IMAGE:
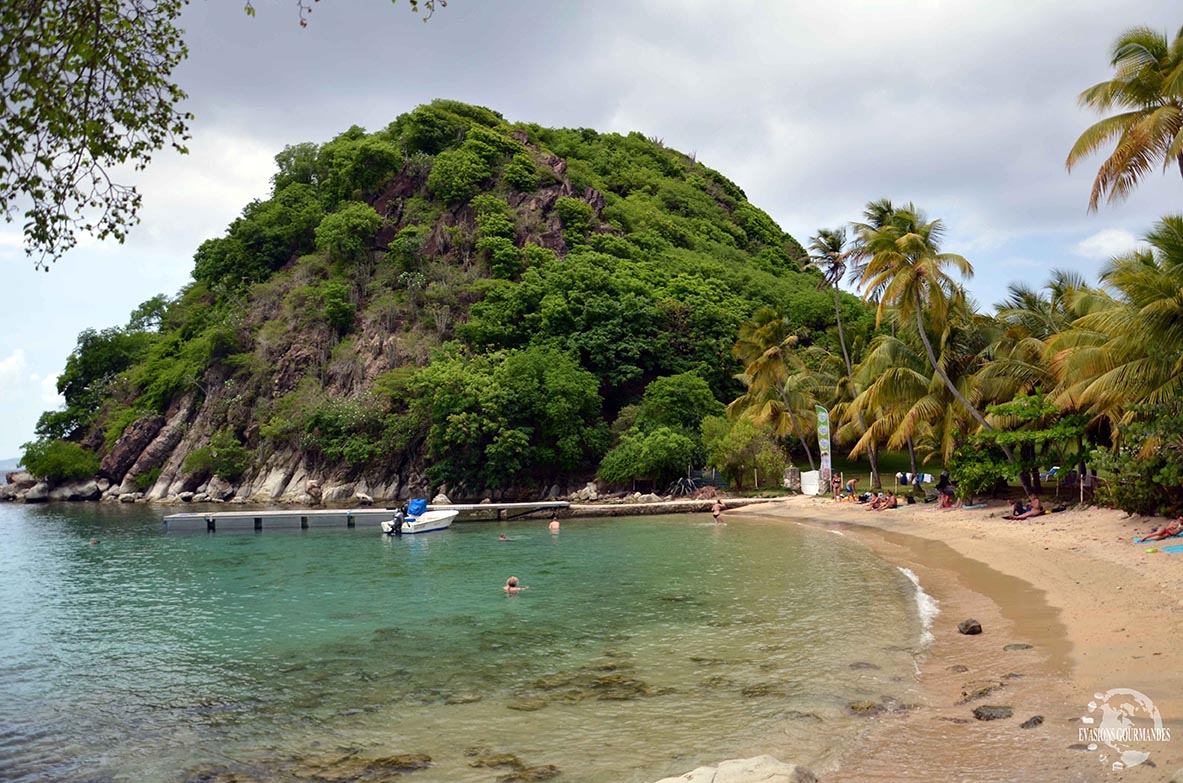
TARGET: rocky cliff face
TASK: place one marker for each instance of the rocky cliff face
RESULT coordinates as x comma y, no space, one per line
160,444
282,330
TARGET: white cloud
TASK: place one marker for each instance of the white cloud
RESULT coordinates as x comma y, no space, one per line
1106,244
48,389
12,371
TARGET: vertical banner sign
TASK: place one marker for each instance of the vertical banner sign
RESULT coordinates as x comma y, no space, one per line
823,446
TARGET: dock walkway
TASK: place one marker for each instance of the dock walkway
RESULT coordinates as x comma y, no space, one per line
304,518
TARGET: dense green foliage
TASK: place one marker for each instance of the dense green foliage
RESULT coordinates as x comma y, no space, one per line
405,302
745,453
59,460
662,436
1144,475
398,302
87,89
224,457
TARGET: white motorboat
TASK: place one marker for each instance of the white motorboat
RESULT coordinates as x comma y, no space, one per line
418,519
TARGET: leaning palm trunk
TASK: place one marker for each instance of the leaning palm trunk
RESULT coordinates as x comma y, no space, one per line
872,454
932,358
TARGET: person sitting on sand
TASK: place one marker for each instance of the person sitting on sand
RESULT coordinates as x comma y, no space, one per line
884,501
1169,530
876,502
512,587
1034,510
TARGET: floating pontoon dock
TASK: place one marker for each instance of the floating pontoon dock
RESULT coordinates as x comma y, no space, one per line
304,519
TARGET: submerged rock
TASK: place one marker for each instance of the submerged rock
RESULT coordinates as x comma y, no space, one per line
1017,646
527,705
1032,722
992,712
979,689
865,707
487,758
959,668
969,627
812,717
761,689
863,665
602,681
528,774
462,698
403,762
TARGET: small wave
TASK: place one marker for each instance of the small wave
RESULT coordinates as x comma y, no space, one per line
926,605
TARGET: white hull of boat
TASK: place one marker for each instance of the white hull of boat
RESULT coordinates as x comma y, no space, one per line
425,522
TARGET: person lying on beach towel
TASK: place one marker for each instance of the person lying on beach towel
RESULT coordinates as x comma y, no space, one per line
1169,530
1034,510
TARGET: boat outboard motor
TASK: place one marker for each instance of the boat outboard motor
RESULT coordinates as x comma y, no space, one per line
394,527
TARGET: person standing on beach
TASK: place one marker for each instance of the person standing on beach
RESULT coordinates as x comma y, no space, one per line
716,510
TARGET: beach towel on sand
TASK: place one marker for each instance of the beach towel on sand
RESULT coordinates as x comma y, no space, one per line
1168,538
1172,548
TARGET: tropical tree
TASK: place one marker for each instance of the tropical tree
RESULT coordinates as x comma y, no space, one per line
1023,359
1126,350
1148,86
830,254
88,88
905,265
779,387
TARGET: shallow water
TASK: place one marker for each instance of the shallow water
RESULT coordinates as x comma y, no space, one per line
644,647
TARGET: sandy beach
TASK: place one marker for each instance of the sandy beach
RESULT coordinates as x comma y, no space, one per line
1098,611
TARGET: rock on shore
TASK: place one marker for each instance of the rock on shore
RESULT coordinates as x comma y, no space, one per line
758,769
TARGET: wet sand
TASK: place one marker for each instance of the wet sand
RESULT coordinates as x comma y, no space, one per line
1098,611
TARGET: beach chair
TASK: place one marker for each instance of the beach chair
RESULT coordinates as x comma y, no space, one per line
1051,474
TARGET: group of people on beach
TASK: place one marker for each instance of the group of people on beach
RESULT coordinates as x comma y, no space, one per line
874,501
1033,508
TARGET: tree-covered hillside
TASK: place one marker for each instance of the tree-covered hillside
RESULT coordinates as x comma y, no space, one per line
455,299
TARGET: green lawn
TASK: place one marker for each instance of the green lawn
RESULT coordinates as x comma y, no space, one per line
890,463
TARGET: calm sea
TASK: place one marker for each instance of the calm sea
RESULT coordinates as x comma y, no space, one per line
643,647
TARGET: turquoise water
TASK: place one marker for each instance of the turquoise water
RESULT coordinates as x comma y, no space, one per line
644,647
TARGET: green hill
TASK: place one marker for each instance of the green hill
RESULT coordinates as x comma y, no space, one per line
455,299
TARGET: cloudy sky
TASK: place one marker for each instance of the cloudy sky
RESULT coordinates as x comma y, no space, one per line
966,108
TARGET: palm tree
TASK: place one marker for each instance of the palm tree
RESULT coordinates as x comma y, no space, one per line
773,376
1127,349
830,255
904,264
1148,84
